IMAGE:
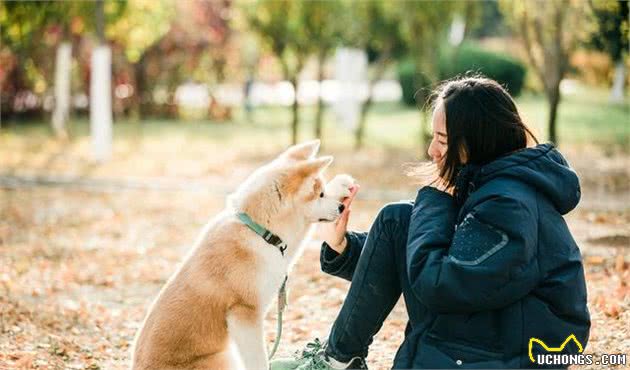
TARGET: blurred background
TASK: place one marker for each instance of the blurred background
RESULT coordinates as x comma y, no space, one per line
125,123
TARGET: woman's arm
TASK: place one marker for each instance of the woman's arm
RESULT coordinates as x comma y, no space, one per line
343,265
487,262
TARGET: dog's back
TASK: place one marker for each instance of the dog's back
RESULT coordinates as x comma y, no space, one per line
186,326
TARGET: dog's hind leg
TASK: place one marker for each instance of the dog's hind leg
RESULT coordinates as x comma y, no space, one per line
245,327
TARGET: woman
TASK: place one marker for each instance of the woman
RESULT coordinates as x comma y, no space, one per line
483,258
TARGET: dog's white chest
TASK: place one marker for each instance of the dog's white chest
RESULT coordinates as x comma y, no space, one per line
271,274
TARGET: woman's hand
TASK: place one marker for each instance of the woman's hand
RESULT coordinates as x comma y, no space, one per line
334,233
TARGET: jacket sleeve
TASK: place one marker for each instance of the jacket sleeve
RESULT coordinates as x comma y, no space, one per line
486,262
343,265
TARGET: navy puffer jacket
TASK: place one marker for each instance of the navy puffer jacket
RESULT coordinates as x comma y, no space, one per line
496,269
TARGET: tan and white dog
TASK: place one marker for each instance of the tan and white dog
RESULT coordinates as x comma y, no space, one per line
224,288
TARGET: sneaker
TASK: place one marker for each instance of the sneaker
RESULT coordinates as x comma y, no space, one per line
314,357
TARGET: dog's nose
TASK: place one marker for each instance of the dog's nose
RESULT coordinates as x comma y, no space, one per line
341,208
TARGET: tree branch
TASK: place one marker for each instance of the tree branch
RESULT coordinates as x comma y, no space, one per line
538,67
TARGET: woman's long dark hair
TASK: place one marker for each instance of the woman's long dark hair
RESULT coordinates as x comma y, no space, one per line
482,124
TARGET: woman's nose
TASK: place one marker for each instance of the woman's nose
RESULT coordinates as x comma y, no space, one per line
432,153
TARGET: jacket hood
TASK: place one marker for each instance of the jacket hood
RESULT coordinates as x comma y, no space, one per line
542,167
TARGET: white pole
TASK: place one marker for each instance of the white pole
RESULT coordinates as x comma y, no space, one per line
101,104
351,75
61,112
619,81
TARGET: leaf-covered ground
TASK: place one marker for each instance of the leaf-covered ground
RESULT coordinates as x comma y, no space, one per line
80,264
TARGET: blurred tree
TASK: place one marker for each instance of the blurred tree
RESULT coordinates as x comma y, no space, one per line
28,30
611,36
322,29
377,30
61,111
470,57
163,42
140,28
177,42
279,25
207,29
424,30
25,29
550,31
487,20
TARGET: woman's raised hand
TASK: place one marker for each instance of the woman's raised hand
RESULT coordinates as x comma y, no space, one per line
334,233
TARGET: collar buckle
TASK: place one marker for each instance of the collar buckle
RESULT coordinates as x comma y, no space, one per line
282,247
267,235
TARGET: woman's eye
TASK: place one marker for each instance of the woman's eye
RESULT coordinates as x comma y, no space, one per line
442,143
321,195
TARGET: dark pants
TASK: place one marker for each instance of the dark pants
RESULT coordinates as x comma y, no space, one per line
379,279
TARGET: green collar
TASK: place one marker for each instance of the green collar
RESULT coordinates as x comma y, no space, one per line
269,237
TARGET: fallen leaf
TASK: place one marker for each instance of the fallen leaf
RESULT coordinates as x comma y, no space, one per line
620,263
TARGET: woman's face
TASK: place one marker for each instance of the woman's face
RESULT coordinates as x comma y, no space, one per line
437,148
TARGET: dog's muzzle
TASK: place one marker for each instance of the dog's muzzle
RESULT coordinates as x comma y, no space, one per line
340,209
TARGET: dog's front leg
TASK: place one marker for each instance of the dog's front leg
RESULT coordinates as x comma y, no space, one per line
245,326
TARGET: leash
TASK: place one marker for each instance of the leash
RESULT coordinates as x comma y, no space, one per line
282,304
274,240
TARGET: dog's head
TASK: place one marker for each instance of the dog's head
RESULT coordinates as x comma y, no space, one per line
290,186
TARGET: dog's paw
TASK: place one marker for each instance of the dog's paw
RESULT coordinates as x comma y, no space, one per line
339,187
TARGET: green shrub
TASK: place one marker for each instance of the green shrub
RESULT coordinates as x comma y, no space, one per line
415,87
468,59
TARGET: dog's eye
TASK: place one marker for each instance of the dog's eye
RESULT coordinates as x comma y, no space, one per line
321,195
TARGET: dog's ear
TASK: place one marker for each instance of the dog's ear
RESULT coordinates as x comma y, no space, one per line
303,170
314,166
302,151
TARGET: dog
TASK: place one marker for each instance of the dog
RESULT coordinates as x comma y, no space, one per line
223,289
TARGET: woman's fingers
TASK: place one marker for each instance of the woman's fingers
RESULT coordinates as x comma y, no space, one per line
353,192
334,234
342,223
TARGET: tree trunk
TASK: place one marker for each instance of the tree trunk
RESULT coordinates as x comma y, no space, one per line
61,112
295,110
423,67
619,82
425,137
425,124
99,21
17,78
320,101
292,76
553,97
101,93
101,103
137,109
360,132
